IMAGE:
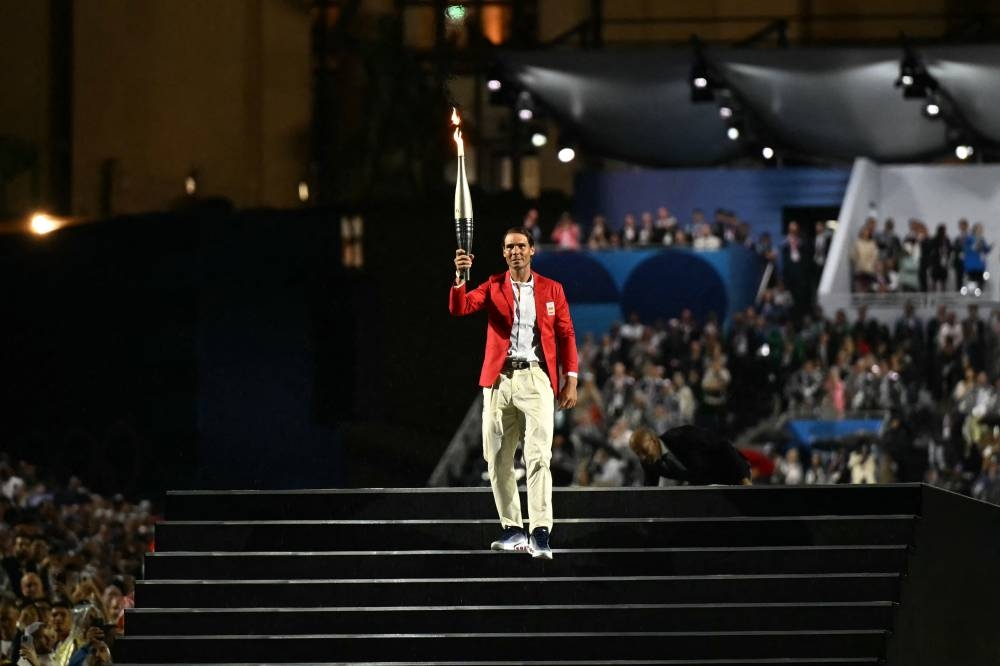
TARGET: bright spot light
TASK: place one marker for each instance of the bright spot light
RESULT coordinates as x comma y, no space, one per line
538,139
190,185
494,85
725,112
963,152
42,224
986,275
765,350
566,155
525,114
767,152
907,80
303,191
964,291
978,292
700,82
932,109
733,133
455,12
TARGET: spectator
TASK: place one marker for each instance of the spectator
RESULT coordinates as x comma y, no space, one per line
912,261
889,247
789,469
987,486
820,249
8,629
647,232
630,232
974,256
795,268
817,473
566,235
958,253
530,224
704,240
864,257
862,465
598,238
938,257
666,225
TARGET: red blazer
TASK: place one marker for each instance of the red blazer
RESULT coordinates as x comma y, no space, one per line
558,341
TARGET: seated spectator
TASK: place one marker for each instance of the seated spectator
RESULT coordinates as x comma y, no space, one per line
681,239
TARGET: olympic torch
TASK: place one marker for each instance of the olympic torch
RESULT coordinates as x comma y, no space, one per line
463,200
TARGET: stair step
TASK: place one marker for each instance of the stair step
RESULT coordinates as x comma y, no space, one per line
569,533
512,618
535,646
486,564
804,661
503,591
471,503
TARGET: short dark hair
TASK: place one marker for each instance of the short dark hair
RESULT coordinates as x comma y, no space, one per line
523,232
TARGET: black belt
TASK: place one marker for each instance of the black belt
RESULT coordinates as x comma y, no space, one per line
510,365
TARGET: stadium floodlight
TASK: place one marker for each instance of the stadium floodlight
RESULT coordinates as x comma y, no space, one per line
700,78
525,106
914,78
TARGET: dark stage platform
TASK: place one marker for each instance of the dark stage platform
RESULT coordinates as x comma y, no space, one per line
718,576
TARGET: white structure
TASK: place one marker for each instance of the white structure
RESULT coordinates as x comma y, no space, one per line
932,194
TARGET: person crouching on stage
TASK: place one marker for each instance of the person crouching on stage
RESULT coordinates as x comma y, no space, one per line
694,455
529,335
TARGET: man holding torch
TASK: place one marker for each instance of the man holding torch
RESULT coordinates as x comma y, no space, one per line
529,338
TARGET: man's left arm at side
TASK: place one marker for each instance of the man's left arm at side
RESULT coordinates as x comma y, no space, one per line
566,345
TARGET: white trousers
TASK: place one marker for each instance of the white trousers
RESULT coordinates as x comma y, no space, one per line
520,407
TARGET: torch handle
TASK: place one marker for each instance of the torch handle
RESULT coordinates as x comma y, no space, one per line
463,234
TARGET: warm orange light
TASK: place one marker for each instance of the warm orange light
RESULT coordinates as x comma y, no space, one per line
42,224
455,120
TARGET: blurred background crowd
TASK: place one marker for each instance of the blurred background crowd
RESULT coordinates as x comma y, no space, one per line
70,561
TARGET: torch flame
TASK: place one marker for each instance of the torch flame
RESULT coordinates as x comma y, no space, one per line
458,132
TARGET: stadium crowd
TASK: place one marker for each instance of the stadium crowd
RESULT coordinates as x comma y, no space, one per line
70,561
882,262
935,383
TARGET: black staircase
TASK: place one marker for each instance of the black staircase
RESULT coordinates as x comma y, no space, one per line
712,576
